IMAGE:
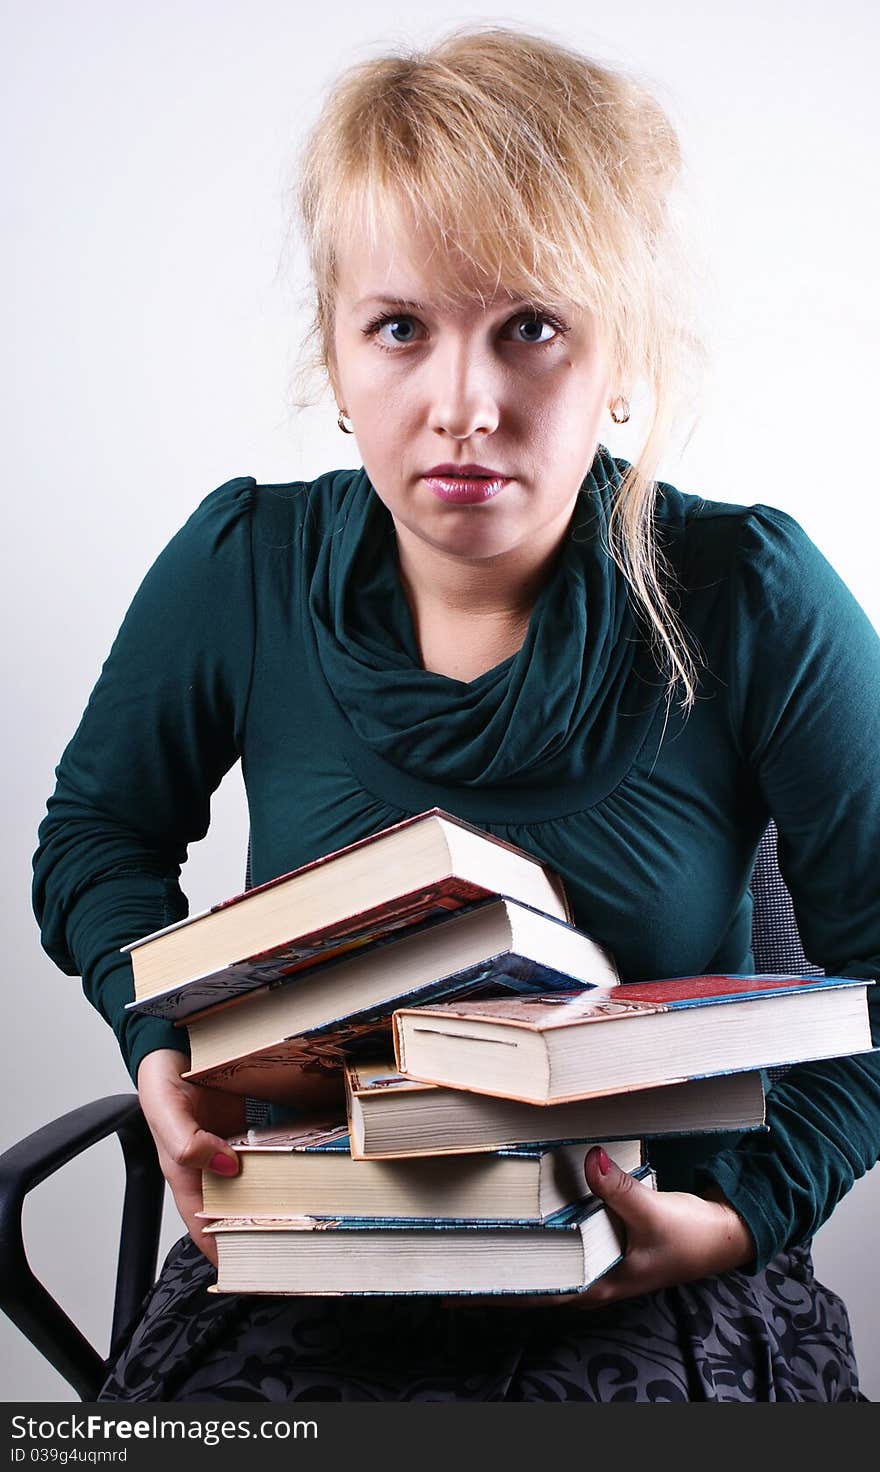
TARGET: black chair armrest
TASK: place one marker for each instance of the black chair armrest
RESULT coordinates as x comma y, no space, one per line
25,1300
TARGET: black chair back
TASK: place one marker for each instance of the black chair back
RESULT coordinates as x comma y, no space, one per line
776,944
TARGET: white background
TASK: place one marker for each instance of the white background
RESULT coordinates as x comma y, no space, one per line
151,344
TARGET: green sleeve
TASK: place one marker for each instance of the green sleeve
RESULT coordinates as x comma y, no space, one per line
162,726
804,689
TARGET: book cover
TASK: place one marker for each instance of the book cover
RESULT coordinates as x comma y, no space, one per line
266,1075
365,930
636,999
318,863
321,1139
552,1049
208,950
392,1117
362,1258
308,1170
565,1219
262,1071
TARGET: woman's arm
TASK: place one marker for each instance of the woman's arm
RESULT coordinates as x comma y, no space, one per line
162,726
804,689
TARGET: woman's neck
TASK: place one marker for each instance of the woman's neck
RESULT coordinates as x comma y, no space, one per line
469,616
497,589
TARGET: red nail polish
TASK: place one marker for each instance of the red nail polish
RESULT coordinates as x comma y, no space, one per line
223,1165
604,1162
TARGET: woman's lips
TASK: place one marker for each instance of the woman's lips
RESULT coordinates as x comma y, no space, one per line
466,490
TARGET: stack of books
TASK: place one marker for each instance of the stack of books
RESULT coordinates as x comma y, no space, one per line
459,1166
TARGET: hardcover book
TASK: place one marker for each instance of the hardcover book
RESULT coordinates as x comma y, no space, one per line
393,1117
248,1045
423,867
550,1049
307,1170
565,1254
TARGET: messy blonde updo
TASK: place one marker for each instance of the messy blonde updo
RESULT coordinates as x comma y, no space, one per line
549,176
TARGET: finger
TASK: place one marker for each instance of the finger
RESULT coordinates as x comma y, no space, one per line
186,1188
218,1112
205,1151
624,1281
189,1145
634,1202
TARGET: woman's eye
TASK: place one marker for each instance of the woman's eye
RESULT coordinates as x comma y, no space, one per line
400,330
536,329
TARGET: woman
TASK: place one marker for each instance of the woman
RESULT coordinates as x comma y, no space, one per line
496,617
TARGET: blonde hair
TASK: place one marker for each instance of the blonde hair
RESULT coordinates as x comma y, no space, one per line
548,175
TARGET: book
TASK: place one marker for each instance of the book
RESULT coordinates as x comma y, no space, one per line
391,1117
550,1049
427,865
304,1255
307,1170
248,1044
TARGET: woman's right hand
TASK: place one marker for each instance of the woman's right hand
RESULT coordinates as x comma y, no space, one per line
189,1124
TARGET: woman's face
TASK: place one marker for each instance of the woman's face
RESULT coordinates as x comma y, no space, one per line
431,389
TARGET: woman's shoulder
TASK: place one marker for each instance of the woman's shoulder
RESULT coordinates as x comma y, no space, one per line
246,523
241,529
244,501
759,564
705,537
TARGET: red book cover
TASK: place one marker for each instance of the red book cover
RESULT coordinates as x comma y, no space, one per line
631,999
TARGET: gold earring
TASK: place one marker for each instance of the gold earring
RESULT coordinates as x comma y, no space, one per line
619,408
344,427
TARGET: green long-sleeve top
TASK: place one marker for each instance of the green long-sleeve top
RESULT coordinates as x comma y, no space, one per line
274,628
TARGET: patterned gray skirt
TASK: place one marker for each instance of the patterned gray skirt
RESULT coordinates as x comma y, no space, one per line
776,1336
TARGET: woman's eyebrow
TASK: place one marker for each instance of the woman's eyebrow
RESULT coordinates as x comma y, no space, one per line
398,302
405,304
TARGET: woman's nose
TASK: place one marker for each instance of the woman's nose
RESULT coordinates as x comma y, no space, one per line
464,396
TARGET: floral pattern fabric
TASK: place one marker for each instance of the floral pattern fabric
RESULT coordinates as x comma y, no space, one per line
778,1335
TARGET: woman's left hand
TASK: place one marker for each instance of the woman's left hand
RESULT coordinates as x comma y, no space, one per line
671,1236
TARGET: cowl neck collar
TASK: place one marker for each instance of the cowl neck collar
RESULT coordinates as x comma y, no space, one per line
546,713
